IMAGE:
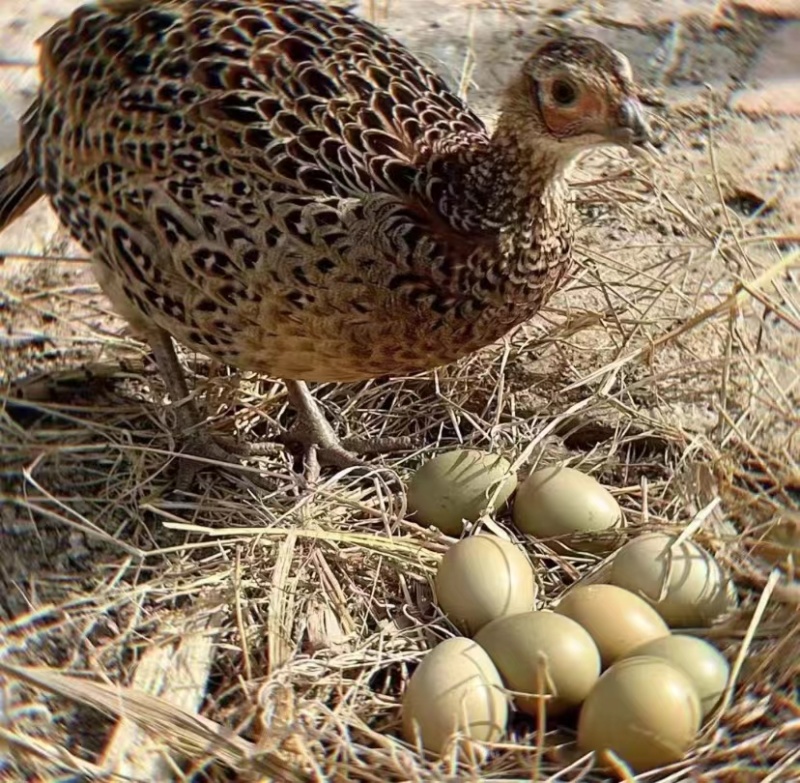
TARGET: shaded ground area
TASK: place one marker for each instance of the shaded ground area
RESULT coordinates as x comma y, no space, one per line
668,368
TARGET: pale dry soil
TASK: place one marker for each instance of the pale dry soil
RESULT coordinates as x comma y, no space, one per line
711,411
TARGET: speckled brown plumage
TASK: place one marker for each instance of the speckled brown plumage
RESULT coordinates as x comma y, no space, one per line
282,186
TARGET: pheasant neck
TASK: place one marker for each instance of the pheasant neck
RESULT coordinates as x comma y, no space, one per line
517,195
519,189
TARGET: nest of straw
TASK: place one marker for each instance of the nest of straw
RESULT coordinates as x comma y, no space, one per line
238,634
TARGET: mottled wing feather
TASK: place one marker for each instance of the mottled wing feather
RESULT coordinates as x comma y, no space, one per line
294,94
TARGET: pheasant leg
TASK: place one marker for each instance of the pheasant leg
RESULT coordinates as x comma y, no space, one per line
198,442
312,432
316,437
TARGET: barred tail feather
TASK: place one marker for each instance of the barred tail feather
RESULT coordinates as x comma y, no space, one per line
19,190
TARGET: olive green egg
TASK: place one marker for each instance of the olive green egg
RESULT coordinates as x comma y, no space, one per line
616,619
542,654
565,507
701,662
482,578
456,689
645,710
682,582
458,485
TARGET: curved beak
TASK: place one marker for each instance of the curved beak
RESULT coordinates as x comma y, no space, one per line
632,128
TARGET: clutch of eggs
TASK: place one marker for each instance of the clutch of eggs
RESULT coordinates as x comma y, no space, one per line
606,651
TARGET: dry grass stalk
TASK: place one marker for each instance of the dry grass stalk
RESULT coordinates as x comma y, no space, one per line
177,673
667,369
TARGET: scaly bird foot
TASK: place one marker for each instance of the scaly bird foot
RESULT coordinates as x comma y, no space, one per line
314,438
199,445
201,449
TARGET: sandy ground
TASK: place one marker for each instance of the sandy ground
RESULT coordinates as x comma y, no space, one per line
722,83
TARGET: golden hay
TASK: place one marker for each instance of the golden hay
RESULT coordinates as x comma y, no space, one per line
233,634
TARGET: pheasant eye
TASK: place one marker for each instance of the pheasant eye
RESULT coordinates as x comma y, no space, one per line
563,92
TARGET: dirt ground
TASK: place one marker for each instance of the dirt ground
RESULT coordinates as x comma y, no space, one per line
667,368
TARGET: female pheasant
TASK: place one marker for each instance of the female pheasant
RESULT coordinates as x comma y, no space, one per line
283,187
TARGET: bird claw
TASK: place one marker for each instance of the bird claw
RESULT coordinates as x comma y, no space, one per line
315,449
203,450
322,448
380,445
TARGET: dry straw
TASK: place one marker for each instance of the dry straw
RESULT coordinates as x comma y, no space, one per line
242,634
